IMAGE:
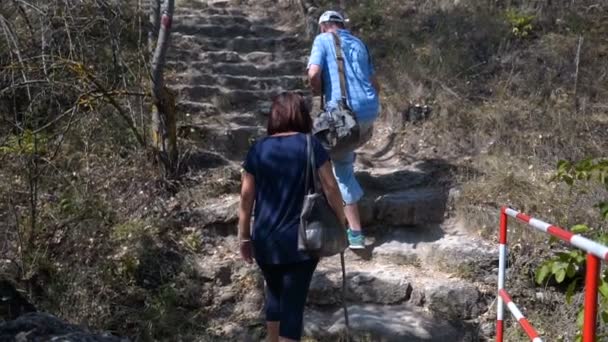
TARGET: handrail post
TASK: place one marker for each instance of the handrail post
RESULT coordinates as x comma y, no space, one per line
591,286
502,265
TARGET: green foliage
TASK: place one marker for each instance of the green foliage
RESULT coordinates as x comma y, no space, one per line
27,143
585,170
566,266
128,230
521,23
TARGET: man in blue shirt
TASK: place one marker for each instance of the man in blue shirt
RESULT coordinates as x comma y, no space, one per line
362,94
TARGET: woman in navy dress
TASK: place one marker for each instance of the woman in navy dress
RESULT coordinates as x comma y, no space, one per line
274,180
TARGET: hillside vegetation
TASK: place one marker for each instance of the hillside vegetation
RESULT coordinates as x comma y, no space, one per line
91,231
514,87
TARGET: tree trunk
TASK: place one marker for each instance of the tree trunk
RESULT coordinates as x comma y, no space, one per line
164,136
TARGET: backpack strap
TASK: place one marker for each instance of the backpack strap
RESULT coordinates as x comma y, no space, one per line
341,68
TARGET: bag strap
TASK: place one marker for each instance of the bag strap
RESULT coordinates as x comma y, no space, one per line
311,165
346,322
308,148
341,68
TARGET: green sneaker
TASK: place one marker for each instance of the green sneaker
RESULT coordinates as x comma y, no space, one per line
356,242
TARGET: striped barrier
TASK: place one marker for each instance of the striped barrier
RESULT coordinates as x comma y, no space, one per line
523,321
595,253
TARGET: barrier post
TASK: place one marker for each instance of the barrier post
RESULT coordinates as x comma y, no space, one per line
502,265
591,282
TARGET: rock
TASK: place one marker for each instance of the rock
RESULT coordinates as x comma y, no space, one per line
381,323
439,247
12,303
224,211
226,296
410,207
46,327
219,272
456,300
380,285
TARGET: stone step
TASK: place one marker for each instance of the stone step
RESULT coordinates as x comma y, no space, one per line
237,118
214,19
232,97
206,58
212,31
207,10
448,247
241,82
204,109
291,44
191,28
408,207
216,105
397,323
383,283
276,69
231,140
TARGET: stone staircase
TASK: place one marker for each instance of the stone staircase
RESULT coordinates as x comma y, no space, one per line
424,276
227,65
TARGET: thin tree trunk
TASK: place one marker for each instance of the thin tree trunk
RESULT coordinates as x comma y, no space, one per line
164,135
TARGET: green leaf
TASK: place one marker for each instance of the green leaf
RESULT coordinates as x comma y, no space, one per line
603,287
542,273
571,270
580,318
579,229
570,291
560,275
604,316
604,209
557,266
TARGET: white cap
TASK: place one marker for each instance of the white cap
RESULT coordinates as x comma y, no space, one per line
331,16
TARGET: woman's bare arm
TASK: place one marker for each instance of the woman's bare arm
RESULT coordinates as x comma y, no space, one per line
331,190
246,205
245,208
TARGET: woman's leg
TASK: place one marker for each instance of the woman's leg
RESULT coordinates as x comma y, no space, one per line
296,281
273,331
274,286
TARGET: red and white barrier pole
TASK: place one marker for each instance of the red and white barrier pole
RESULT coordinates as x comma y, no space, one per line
595,253
576,240
502,267
523,321
591,282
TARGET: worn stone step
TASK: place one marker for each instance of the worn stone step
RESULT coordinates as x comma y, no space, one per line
383,283
242,82
395,323
212,31
237,118
230,97
215,19
204,109
240,44
230,139
207,10
408,207
448,247
225,31
277,69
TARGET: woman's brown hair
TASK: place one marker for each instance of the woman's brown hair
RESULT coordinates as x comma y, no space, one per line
289,113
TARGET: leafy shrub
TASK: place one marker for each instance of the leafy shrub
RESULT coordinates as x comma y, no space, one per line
521,23
566,266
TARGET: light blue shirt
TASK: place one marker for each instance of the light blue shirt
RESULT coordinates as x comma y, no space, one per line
359,69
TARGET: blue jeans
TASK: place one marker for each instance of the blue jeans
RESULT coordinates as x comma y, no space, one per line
344,168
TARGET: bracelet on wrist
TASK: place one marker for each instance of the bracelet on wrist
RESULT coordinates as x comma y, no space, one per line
244,240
